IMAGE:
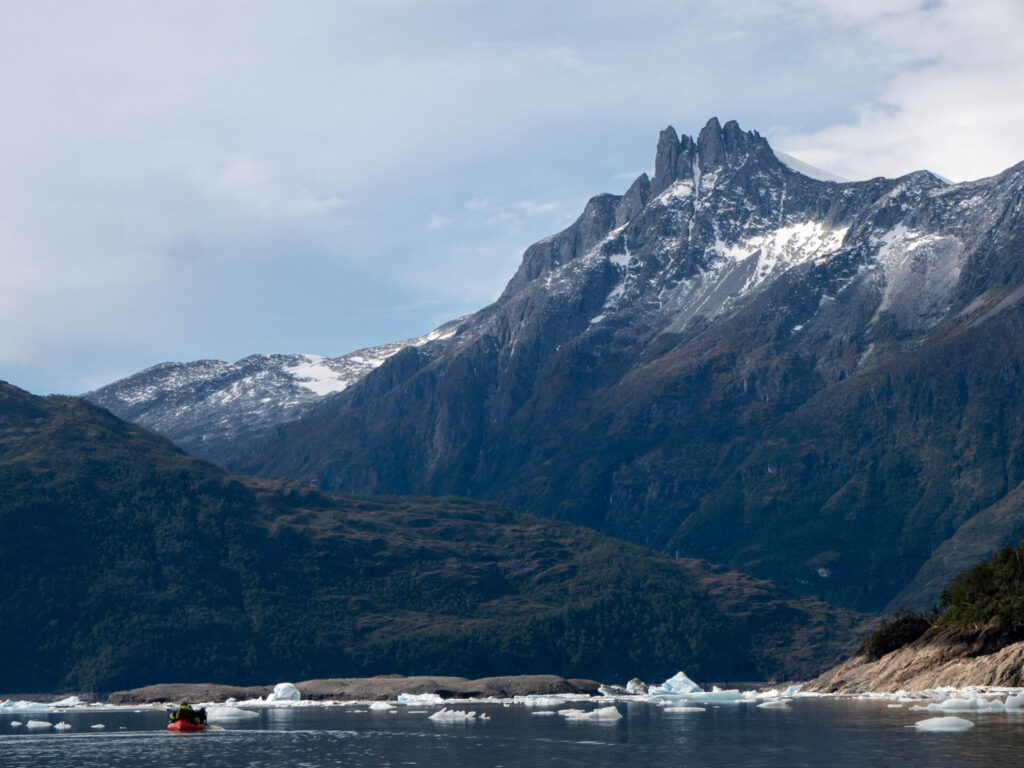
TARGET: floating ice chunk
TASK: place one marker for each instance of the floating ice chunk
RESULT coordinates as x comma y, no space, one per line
420,698
380,706
636,685
229,713
453,716
15,723
285,692
774,704
8,706
1014,701
70,701
543,701
602,713
943,724
894,706
543,713
38,724
793,690
958,705
98,725
62,726
716,696
684,709
678,683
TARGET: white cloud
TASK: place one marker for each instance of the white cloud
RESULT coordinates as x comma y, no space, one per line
154,157
949,103
531,208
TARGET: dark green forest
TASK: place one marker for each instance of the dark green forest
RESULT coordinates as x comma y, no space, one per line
130,563
986,601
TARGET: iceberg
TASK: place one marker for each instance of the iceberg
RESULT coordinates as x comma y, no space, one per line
603,713
229,713
636,686
420,698
943,724
678,683
380,706
684,709
98,726
70,701
454,716
541,701
961,704
38,724
62,726
1014,701
285,692
8,706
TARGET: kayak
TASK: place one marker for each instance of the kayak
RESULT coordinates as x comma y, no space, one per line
184,726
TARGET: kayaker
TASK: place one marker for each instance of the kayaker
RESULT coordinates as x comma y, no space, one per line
189,715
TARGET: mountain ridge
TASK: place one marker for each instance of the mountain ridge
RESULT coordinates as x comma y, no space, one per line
732,361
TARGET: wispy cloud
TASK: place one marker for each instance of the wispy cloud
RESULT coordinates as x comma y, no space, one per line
438,222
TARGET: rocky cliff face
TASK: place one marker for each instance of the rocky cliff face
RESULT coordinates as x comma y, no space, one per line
815,382
938,659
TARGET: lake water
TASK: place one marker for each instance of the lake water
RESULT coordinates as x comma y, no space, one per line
811,732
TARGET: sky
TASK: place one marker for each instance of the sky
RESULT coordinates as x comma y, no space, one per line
216,178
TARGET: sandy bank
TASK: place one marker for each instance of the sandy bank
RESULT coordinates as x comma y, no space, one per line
365,688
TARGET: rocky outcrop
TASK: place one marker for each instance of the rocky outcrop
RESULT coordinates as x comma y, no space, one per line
379,688
939,658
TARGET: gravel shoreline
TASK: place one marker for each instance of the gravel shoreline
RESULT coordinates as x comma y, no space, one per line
381,688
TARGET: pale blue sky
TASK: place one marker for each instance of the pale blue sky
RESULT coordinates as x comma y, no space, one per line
188,180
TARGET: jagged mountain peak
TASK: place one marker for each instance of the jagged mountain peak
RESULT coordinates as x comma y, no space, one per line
716,147
730,353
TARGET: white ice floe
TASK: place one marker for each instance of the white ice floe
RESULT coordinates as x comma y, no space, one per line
963,704
455,716
62,726
602,713
943,724
541,701
420,698
214,714
8,707
70,701
380,706
774,704
98,726
544,713
15,723
678,683
39,724
684,709
1014,701
285,692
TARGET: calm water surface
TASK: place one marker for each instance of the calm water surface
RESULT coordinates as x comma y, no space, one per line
812,732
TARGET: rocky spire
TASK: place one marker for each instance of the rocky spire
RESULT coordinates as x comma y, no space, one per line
716,146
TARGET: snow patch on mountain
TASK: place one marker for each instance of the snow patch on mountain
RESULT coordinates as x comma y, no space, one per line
781,249
210,401
920,271
806,168
313,373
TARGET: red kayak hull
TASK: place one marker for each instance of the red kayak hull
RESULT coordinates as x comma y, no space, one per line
183,726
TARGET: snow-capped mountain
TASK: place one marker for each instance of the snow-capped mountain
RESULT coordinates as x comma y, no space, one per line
816,382
206,405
